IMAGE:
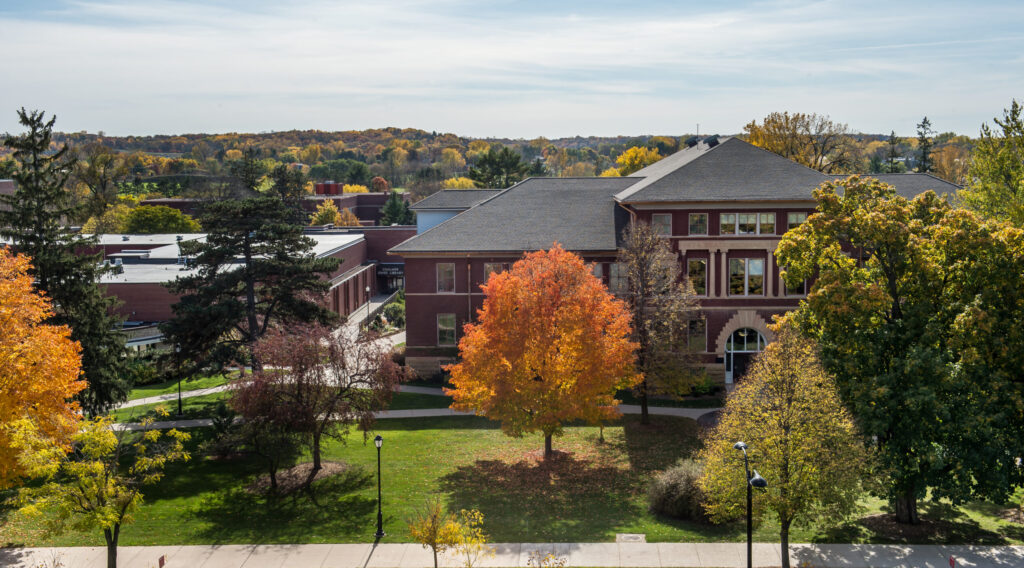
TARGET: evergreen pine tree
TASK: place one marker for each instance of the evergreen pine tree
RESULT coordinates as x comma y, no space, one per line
396,211
254,270
33,220
924,145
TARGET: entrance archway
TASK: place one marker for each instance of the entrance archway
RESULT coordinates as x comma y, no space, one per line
740,348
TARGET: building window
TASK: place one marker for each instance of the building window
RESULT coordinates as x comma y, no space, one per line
799,290
747,223
746,277
697,335
618,278
767,224
662,224
727,223
494,267
697,269
446,329
598,270
698,223
446,277
795,220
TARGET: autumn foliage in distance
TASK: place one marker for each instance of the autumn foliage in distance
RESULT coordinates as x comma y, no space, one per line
39,371
551,345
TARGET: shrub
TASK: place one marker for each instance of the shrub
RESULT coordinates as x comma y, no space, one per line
676,492
398,355
705,386
395,314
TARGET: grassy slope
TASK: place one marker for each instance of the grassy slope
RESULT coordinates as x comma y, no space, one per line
172,386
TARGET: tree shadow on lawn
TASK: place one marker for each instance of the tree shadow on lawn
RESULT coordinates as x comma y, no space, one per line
329,510
201,474
564,498
941,523
658,445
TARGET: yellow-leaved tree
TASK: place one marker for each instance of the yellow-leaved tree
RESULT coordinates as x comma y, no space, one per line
635,158
40,370
354,188
799,437
458,183
326,213
348,219
551,345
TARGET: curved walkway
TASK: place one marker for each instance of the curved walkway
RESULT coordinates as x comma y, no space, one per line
373,555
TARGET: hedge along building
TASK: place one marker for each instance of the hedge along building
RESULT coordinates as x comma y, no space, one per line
722,204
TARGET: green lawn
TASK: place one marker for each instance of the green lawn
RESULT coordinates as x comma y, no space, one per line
596,491
172,386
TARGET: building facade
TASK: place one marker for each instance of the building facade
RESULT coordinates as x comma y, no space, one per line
722,204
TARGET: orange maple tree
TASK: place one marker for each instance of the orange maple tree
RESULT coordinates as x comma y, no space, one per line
39,371
551,345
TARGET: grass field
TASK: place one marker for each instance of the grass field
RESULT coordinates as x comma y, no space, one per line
589,495
172,386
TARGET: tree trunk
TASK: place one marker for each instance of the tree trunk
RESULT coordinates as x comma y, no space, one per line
273,477
111,535
784,538
316,457
645,417
906,508
435,555
548,452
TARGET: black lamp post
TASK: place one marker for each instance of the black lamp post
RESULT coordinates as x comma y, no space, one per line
378,441
753,481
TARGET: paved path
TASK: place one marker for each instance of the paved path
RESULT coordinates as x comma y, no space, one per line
724,555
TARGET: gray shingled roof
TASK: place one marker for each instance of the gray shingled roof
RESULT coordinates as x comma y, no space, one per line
733,170
454,199
578,213
910,185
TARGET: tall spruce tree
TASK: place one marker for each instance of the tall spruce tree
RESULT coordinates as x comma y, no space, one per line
34,220
254,270
396,211
925,163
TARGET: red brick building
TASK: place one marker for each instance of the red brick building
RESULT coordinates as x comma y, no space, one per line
723,204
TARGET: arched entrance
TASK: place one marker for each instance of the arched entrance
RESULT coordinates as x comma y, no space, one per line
741,347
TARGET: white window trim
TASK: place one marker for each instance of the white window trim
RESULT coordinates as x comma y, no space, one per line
706,262
757,224
670,227
788,213
707,224
437,278
746,278
455,329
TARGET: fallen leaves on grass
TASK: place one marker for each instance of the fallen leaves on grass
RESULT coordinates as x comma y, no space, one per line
294,478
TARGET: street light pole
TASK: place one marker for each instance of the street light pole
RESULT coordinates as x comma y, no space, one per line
753,481
367,306
177,351
378,441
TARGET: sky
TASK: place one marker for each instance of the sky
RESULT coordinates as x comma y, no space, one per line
507,69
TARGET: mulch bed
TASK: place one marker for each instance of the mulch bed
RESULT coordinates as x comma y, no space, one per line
294,478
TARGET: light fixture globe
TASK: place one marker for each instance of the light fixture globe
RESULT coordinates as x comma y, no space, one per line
739,446
758,481
378,441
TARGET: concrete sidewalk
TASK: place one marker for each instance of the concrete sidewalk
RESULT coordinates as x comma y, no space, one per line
709,555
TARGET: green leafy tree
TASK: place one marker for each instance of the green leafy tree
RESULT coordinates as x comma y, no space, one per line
925,163
995,186
33,220
396,211
152,219
111,221
99,485
913,307
799,437
249,170
499,169
254,270
99,170
662,306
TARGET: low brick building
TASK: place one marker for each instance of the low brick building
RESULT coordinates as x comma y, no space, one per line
722,204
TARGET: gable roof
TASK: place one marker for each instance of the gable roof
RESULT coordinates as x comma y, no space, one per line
449,199
733,170
578,213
